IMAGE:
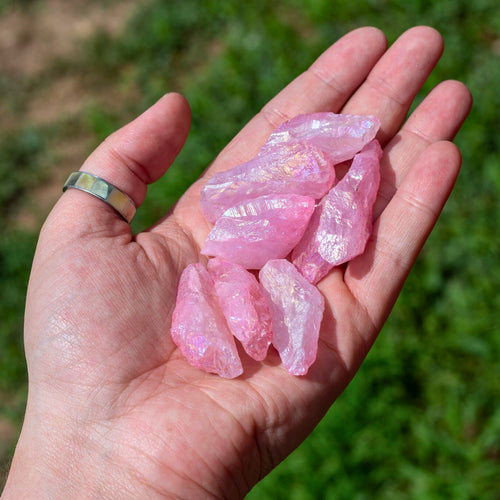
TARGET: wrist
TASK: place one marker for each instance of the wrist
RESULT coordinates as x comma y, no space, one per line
45,465
52,462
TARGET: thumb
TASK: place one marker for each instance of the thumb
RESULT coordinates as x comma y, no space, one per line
131,158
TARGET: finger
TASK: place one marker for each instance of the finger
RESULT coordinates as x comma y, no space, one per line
325,86
391,86
376,277
438,117
130,159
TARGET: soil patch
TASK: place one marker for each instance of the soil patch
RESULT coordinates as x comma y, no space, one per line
54,29
31,41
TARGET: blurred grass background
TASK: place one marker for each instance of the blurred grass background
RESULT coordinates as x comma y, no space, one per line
422,418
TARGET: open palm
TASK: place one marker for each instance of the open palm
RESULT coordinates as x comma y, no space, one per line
114,410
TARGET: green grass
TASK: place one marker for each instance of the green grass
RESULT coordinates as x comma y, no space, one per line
21,156
421,419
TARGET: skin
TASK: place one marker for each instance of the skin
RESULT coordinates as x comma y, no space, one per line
114,410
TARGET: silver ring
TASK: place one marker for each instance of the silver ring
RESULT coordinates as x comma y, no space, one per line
104,191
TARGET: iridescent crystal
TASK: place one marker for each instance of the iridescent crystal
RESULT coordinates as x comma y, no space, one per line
243,303
199,327
342,222
339,136
296,311
261,210
295,168
260,229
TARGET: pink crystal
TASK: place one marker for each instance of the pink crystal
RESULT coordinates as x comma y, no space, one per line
296,311
199,328
243,303
289,168
261,229
339,136
342,222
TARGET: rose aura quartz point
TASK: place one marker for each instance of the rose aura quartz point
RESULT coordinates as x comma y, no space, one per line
339,136
199,328
290,168
259,230
296,311
342,222
243,303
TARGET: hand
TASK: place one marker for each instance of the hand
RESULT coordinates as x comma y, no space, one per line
114,410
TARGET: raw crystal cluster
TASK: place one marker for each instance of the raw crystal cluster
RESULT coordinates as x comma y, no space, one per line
297,169
255,231
199,327
296,311
339,137
342,222
244,306
264,211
